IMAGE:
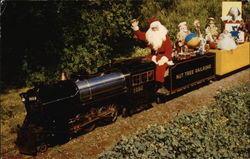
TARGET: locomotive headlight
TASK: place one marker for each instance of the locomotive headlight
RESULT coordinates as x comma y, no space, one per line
23,99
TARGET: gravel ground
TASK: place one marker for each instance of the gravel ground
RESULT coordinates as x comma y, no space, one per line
91,145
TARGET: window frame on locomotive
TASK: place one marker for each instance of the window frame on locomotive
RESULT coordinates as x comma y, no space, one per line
138,79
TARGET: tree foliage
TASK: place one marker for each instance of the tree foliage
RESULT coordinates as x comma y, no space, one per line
171,13
40,39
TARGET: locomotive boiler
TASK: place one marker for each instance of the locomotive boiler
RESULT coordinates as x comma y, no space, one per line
57,112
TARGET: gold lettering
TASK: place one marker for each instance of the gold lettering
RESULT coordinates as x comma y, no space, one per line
179,76
189,73
203,68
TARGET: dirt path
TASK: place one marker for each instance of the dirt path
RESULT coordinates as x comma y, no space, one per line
91,145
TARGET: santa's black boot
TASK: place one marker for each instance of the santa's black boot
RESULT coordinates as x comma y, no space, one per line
158,85
162,90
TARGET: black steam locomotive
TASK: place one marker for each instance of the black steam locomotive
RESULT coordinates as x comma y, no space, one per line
57,112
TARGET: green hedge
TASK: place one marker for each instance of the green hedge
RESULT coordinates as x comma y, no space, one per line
218,131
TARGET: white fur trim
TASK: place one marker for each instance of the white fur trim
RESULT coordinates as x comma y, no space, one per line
160,63
154,59
155,24
135,28
170,63
164,59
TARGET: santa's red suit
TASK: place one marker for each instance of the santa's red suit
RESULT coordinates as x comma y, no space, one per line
163,53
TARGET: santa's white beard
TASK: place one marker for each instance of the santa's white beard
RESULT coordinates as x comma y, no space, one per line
155,38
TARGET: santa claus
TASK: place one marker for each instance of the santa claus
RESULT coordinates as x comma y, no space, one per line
160,44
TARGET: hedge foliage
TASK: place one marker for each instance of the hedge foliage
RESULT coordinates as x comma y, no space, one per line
40,39
218,131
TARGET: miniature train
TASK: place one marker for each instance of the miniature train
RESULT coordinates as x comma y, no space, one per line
59,111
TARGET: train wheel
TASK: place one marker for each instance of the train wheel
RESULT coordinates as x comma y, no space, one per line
112,113
42,148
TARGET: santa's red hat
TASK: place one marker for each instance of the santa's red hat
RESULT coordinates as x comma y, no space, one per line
150,21
153,22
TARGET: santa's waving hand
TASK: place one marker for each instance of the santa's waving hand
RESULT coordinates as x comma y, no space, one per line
159,42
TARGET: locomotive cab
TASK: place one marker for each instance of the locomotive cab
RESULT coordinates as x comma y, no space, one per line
141,84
